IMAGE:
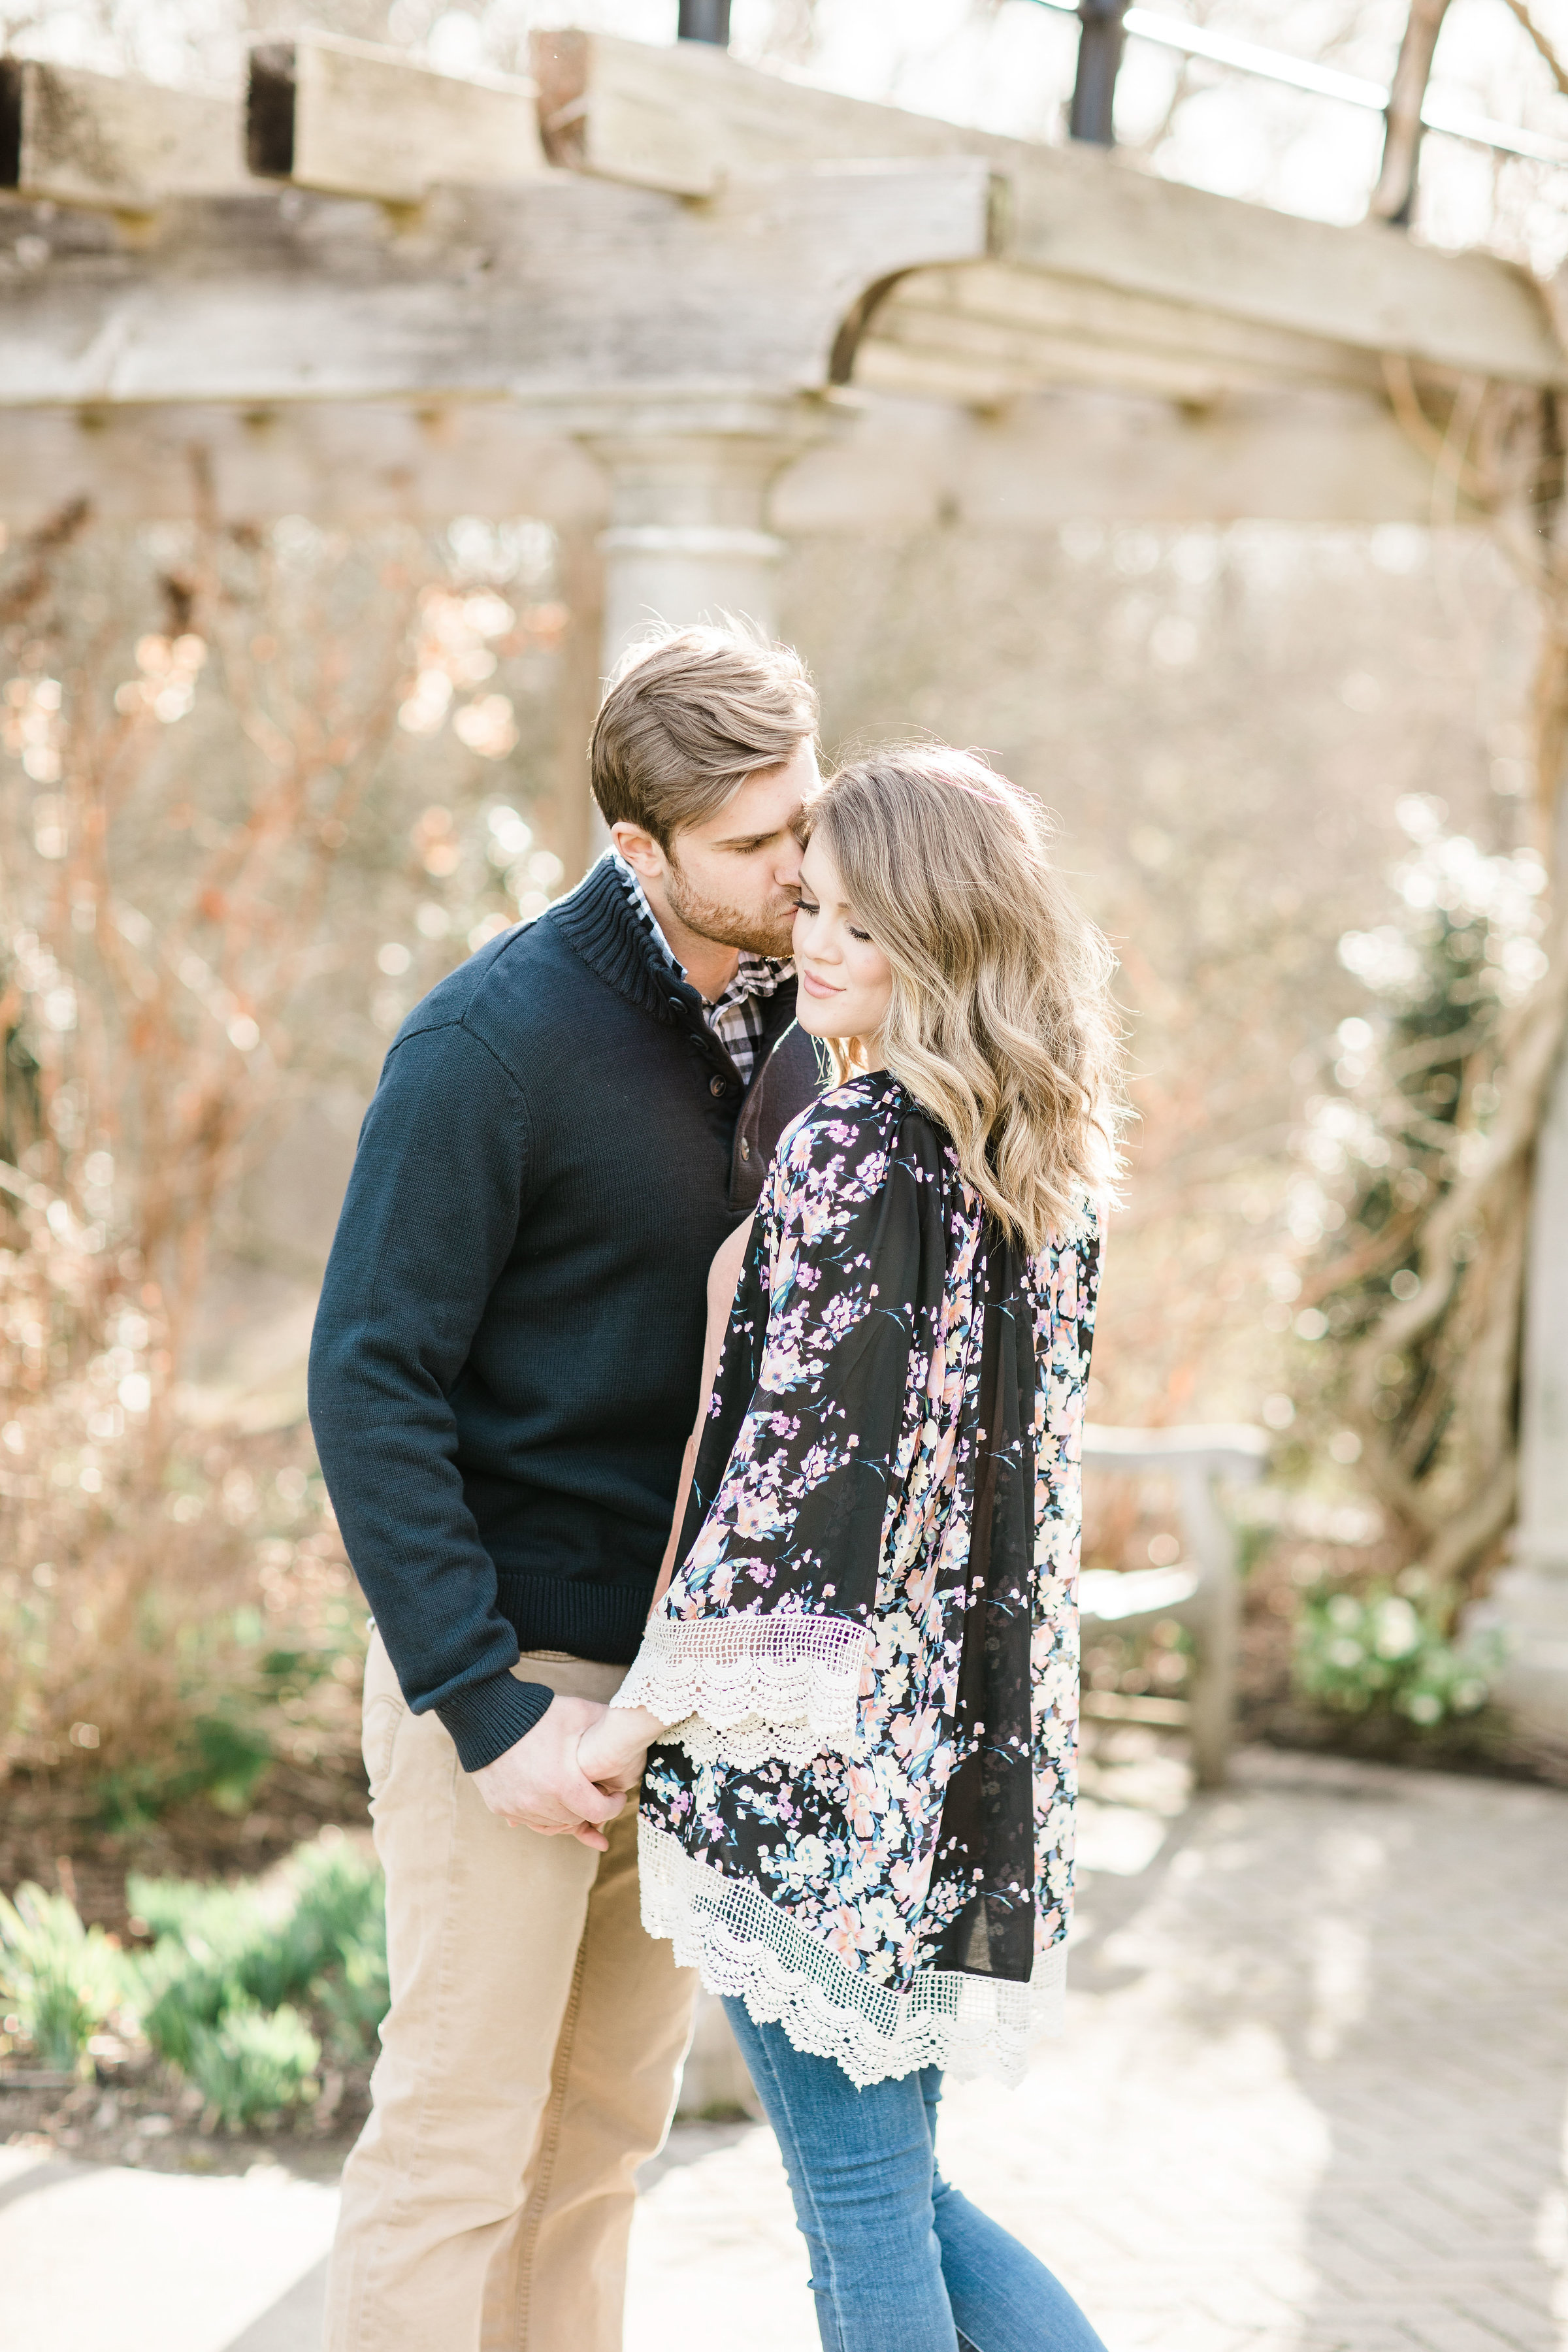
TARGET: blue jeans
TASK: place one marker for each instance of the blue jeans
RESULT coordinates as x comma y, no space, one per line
900,2261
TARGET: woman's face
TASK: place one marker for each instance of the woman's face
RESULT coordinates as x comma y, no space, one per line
846,981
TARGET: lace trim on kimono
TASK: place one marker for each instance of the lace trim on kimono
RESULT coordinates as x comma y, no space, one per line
745,1945
785,1686
758,1740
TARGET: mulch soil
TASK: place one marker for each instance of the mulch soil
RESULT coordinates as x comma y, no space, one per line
137,2113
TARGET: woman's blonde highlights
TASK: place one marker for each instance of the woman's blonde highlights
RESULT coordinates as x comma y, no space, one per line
1001,1023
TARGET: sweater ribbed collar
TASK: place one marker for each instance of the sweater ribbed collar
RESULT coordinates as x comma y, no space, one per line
597,920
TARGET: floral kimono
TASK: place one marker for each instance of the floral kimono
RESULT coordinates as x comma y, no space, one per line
860,1819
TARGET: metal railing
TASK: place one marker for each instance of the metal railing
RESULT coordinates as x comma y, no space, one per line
1152,24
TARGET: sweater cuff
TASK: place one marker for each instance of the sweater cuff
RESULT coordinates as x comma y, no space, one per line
491,1717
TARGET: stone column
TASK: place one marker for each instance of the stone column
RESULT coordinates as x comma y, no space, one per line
687,539
1529,1603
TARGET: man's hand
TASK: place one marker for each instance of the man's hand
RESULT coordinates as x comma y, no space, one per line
613,1750
538,1785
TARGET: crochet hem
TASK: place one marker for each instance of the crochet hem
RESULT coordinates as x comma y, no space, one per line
744,1946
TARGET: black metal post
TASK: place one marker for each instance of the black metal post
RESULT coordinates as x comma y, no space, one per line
1098,61
705,20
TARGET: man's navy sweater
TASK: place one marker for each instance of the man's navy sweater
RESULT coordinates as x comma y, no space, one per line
506,1355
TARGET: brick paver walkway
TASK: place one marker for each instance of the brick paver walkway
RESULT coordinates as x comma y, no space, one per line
1312,2099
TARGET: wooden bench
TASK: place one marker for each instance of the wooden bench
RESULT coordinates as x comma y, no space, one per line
1202,1592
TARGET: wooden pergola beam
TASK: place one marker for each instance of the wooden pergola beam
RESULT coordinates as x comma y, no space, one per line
992,330
566,293
596,279
1081,214
688,119
352,119
1330,457
102,140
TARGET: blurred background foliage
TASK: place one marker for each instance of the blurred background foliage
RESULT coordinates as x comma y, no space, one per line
260,788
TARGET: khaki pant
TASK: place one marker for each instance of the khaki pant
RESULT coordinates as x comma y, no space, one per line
528,2064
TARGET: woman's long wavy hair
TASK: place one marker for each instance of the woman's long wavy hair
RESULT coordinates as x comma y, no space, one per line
1001,1023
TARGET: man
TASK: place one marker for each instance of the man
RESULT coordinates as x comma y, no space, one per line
502,1380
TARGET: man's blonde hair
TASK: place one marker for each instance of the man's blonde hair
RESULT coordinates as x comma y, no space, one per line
689,715
1001,1023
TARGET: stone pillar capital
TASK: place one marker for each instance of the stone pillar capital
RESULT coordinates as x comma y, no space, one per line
687,538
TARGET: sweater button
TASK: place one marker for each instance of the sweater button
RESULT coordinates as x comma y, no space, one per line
679,1003
717,1085
745,1148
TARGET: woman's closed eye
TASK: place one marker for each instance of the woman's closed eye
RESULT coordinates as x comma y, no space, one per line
804,906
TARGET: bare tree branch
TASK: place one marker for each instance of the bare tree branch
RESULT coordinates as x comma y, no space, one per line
1545,48
1394,197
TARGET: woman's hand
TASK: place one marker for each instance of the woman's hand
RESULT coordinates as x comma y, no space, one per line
536,1784
613,1751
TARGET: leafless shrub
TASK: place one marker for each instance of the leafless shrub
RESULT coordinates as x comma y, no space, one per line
217,737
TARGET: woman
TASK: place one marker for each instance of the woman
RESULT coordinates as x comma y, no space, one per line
861,1675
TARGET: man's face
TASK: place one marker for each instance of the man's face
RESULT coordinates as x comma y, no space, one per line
733,879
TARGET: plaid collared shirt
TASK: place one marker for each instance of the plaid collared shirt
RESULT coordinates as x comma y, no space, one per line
735,1016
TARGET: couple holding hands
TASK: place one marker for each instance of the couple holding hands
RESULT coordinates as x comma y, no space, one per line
793,1116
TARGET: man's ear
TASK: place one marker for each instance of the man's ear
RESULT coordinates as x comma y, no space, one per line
640,850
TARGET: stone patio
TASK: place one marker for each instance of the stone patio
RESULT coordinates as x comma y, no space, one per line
1312,2099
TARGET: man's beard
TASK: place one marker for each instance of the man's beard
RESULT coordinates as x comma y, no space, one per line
762,933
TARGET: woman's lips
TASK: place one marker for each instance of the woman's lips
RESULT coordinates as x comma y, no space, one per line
814,987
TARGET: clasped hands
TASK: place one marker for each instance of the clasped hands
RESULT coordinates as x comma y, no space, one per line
573,1772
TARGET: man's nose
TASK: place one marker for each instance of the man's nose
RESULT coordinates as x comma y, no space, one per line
787,869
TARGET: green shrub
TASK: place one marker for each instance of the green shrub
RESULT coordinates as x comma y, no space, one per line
353,1998
196,1970
1380,1651
233,1975
338,1912
338,1929
318,1940
64,1980
254,2062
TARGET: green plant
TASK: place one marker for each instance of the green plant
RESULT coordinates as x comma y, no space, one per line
253,2062
64,1980
338,1932
1380,1649
353,1998
316,1938
196,1970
